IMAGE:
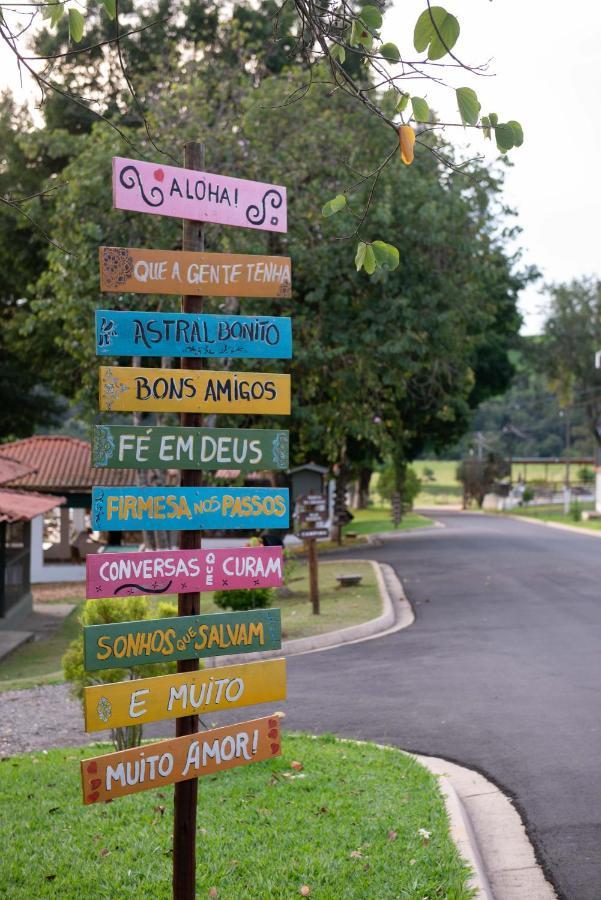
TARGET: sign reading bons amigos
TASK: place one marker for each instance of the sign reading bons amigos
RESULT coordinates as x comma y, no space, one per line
202,196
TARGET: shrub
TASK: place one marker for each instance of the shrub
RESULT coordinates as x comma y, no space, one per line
104,612
576,511
387,485
586,475
256,598
528,495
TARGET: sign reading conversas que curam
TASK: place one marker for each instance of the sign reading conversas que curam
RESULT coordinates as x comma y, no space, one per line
202,196
182,571
208,508
157,446
165,762
136,702
180,637
120,333
123,269
130,389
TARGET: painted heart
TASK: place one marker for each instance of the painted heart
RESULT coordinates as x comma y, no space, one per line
272,723
273,733
95,783
92,767
159,174
92,798
275,748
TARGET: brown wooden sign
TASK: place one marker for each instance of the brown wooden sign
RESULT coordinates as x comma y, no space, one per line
179,759
203,274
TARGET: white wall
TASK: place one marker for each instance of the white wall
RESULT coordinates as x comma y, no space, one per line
41,572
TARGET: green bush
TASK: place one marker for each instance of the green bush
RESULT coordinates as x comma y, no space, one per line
576,511
256,598
387,485
104,612
586,475
528,495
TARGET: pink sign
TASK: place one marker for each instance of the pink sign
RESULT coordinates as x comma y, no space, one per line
202,196
177,571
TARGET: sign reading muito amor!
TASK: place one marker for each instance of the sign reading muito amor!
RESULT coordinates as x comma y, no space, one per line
201,196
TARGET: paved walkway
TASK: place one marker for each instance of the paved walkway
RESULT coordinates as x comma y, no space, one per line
500,672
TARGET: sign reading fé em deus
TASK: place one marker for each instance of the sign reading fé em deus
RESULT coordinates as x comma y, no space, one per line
121,333
180,637
202,196
156,765
164,447
209,508
130,389
136,702
123,269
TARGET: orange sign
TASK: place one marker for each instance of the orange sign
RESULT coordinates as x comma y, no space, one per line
204,274
179,759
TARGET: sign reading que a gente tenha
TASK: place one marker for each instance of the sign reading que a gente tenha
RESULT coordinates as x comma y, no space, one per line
155,447
124,333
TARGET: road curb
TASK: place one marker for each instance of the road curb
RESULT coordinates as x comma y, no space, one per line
396,614
490,834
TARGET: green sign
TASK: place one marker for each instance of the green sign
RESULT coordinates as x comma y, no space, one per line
181,637
159,447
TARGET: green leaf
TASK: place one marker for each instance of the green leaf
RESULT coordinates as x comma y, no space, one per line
360,36
494,119
421,110
485,121
390,52
518,133
469,105
338,52
334,206
76,25
110,7
369,264
402,104
54,12
371,16
387,256
360,254
433,24
504,137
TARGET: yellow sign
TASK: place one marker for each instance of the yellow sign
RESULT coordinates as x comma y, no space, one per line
191,390
171,696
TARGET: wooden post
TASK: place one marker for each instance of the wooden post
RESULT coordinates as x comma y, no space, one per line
184,821
313,575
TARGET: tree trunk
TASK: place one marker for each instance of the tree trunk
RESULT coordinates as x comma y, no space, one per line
365,473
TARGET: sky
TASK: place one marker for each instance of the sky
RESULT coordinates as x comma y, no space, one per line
545,60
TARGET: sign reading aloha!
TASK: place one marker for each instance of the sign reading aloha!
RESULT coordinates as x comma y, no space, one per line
124,269
156,447
182,571
136,702
120,333
180,637
130,389
165,762
201,196
188,508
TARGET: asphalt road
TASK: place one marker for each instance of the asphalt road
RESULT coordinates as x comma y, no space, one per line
500,672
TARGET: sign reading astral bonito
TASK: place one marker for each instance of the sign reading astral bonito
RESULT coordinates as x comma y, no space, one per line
135,702
182,571
156,447
120,333
130,389
208,508
201,274
156,765
180,637
202,196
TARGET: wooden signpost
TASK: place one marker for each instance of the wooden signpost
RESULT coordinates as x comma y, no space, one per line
311,515
174,571
180,637
198,196
188,390
172,334
138,701
191,390
203,274
161,447
188,508
177,760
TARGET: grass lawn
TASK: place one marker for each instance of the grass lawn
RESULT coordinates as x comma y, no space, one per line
553,513
39,662
378,518
347,826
